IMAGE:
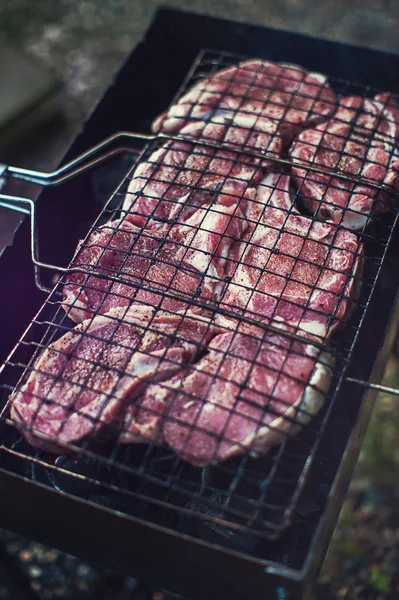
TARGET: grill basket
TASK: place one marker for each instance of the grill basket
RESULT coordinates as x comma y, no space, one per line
244,503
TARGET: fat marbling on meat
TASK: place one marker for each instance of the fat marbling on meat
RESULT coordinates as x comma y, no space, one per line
179,177
360,140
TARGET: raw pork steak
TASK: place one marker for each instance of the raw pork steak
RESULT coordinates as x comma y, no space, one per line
290,266
184,259
250,390
260,98
360,140
179,177
82,383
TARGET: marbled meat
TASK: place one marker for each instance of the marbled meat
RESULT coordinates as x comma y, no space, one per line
186,259
179,177
81,385
290,266
360,140
247,393
261,100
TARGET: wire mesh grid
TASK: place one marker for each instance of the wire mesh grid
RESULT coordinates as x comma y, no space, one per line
194,331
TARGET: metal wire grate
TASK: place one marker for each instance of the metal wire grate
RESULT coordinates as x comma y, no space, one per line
199,216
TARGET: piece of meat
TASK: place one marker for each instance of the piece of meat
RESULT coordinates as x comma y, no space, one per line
263,98
144,418
179,177
182,259
360,140
82,383
289,266
249,391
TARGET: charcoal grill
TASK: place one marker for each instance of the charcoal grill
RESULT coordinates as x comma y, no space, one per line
245,528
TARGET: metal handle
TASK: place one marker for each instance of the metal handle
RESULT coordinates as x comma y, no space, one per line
374,386
27,207
76,166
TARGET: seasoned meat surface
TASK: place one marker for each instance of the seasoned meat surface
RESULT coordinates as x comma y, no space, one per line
183,259
82,384
360,140
248,392
290,266
267,100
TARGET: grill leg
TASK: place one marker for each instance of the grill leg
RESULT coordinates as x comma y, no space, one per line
13,578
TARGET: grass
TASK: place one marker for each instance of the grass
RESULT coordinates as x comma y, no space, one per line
363,558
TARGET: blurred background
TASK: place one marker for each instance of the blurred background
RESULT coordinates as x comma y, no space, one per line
57,60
